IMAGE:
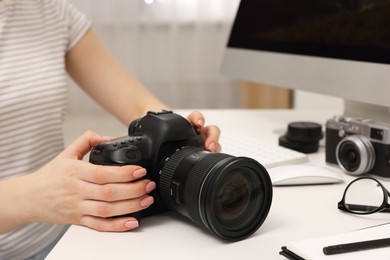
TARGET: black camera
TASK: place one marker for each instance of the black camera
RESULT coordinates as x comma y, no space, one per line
229,196
358,146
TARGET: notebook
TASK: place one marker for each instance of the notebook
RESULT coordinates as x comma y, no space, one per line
313,248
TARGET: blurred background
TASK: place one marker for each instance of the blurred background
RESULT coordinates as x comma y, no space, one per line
173,46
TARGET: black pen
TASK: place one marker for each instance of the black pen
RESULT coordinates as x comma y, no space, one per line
357,246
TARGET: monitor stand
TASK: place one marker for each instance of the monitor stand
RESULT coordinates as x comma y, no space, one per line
366,111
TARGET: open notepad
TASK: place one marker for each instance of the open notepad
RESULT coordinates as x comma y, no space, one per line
313,248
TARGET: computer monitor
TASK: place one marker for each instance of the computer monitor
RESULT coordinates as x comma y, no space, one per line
331,47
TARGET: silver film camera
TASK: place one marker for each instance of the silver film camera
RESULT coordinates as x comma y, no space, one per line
358,146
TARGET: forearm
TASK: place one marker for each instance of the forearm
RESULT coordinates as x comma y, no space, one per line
108,82
15,203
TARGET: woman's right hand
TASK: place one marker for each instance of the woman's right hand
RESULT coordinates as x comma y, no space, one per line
70,191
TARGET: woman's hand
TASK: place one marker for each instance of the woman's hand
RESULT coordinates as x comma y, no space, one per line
210,133
70,191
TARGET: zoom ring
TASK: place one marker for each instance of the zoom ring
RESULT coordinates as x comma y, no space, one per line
167,173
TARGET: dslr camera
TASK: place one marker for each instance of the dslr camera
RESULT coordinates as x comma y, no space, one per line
358,146
226,195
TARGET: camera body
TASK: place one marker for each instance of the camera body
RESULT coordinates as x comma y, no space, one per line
227,195
358,146
150,140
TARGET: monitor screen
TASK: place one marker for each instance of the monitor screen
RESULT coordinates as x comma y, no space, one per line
337,48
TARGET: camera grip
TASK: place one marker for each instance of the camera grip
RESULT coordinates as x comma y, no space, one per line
137,215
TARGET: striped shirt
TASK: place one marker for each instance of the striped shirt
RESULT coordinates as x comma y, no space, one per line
34,38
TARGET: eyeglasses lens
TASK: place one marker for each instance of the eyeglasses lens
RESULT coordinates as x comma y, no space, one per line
364,196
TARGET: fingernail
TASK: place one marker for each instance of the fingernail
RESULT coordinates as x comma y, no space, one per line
150,186
145,202
139,173
200,123
131,224
212,147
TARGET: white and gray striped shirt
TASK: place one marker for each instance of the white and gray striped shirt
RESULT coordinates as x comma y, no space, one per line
34,38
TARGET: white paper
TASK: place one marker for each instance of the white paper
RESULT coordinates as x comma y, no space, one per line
313,248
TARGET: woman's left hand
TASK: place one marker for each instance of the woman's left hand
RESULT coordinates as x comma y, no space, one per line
210,133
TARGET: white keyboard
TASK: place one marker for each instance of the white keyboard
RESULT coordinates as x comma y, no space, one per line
266,153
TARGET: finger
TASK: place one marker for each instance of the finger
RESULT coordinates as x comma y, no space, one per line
211,136
117,224
102,174
82,145
197,118
118,191
117,208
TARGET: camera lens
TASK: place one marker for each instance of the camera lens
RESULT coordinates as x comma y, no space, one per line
355,154
234,201
230,196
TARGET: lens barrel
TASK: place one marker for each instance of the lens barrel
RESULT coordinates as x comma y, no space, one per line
230,196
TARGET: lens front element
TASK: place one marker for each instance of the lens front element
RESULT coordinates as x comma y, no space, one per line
232,198
236,200
355,154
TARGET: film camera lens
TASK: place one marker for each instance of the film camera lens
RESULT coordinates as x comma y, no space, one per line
230,196
355,154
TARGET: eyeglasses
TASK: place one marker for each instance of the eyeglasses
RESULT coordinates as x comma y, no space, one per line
365,195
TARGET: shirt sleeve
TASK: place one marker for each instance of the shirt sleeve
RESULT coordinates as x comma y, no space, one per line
77,22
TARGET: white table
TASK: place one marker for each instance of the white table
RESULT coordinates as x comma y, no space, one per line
298,212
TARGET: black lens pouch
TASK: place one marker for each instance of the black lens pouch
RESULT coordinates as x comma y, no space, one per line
302,137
